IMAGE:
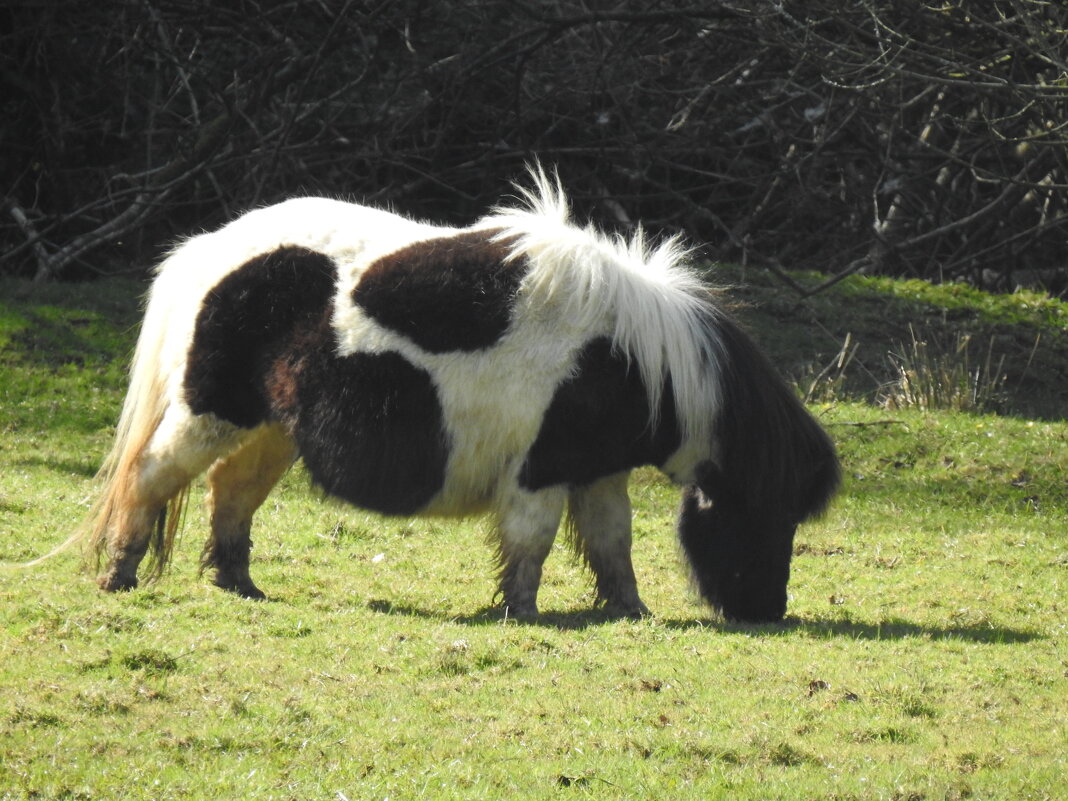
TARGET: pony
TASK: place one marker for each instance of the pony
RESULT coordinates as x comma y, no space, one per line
520,367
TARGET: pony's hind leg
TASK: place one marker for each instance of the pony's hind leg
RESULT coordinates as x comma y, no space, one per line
237,485
144,487
134,517
527,523
600,523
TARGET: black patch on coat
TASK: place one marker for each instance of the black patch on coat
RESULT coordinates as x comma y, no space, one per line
244,322
369,426
598,424
446,294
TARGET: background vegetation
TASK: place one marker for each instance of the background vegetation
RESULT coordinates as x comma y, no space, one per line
925,140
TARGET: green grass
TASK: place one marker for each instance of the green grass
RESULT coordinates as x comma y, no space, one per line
923,657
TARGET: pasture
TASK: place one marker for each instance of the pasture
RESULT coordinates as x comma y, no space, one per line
922,656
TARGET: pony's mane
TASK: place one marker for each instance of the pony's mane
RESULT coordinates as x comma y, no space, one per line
659,312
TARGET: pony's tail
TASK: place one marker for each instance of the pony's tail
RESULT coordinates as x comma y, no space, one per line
142,413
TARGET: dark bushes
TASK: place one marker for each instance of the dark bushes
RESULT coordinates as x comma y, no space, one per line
867,135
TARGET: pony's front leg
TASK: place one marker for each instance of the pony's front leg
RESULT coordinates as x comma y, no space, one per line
600,519
237,485
527,523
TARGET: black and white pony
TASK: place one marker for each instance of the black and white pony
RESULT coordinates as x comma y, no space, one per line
520,367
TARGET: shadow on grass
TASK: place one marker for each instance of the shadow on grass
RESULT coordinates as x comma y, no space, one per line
54,324
888,630
897,629
69,467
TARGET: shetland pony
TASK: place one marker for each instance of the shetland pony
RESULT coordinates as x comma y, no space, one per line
521,367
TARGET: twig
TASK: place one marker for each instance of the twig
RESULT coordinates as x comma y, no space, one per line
32,238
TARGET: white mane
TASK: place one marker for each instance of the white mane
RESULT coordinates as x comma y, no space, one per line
658,310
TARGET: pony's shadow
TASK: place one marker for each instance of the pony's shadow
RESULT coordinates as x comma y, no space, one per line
493,615
894,629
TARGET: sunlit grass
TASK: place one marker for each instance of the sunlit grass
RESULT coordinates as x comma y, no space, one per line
922,656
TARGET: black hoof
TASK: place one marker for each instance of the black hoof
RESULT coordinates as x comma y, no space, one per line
113,582
245,588
521,612
630,611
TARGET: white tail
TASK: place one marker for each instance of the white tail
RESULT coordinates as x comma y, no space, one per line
142,412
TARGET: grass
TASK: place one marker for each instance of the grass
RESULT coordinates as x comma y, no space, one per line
931,376
922,658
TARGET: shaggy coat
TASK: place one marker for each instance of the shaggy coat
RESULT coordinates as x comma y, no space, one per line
520,367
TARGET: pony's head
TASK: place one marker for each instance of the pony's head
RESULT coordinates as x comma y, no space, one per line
773,468
740,554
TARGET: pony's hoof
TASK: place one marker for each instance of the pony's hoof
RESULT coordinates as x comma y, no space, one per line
634,611
114,582
246,589
522,612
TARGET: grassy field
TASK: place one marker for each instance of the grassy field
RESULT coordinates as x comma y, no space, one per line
923,656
